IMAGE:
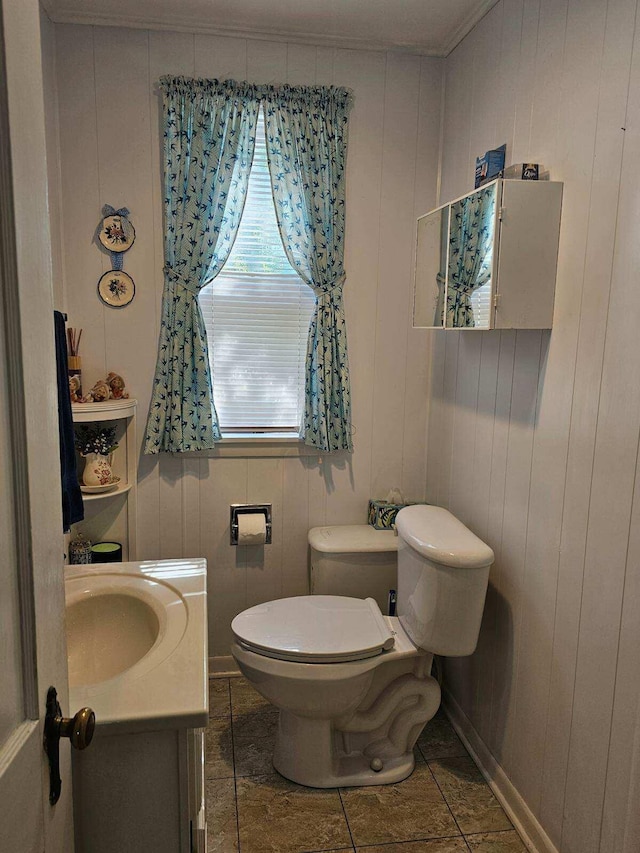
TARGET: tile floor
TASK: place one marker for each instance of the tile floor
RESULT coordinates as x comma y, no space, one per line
445,806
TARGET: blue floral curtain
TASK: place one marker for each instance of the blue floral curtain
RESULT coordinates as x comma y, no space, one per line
470,253
209,135
307,149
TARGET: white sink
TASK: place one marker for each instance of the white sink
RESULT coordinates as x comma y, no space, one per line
136,641
118,621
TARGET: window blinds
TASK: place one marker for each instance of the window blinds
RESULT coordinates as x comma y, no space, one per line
257,314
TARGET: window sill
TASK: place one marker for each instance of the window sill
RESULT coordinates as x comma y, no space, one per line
256,446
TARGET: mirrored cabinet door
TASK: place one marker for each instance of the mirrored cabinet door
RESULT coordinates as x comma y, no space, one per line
431,269
470,268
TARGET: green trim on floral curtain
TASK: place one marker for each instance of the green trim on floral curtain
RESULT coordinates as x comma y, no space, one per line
307,150
470,253
209,136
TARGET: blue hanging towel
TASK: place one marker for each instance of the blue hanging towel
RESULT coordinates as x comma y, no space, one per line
72,506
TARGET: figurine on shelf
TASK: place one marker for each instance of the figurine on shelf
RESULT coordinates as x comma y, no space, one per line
111,388
75,388
117,387
98,394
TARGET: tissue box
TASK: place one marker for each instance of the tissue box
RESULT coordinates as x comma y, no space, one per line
490,164
382,514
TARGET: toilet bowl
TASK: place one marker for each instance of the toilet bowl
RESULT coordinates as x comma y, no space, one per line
353,686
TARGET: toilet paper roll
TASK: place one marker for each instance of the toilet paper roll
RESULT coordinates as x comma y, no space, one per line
252,528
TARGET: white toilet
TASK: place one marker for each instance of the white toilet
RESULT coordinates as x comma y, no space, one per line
353,686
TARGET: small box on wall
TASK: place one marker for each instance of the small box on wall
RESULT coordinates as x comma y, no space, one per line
490,165
523,171
382,514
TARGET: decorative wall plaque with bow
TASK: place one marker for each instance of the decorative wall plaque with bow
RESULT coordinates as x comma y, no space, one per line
116,233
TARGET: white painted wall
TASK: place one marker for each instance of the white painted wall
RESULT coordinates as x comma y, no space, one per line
533,436
109,130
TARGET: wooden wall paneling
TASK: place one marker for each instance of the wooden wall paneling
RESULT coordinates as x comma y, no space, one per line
485,425
620,828
620,822
580,140
301,64
556,80
171,505
401,92
126,180
122,89
461,498
591,172
547,94
435,414
451,348
481,662
556,383
191,546
484,42
325,58
220,57
80,192
417,369
266,61
365,71
608,528
506,92
264,563
316,490
514,530
525,83
295,527
455,180
223,482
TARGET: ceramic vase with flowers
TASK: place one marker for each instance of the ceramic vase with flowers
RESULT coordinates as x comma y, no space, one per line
96,444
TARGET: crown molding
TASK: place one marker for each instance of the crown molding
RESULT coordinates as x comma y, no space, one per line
59,15
466,26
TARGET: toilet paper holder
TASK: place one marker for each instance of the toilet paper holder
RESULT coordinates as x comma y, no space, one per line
239,509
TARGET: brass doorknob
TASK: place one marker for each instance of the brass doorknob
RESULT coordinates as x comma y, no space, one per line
78,729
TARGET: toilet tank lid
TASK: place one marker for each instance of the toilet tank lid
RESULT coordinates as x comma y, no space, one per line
438,535
352,539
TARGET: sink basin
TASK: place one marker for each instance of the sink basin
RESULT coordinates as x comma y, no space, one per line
137,643
119,623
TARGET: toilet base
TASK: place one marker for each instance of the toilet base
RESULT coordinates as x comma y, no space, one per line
309,752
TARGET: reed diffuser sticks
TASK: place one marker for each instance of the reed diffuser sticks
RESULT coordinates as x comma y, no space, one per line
73,338
74,364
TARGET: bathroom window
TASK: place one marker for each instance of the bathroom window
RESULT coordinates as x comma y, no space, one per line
257,314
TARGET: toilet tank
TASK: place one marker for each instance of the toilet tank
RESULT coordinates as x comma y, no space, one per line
443,572
354,560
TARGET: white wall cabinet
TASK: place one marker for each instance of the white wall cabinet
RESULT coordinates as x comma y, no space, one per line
111,515
488,259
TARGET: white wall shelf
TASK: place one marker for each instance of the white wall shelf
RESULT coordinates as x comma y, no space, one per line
100,496
112,515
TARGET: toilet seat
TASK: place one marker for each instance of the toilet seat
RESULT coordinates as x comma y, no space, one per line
314,629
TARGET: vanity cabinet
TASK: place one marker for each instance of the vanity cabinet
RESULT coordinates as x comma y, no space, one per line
111,515
488,259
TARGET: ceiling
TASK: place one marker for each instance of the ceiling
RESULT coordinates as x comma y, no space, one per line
431,27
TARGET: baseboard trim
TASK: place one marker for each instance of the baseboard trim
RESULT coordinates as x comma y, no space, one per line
223,666
532,833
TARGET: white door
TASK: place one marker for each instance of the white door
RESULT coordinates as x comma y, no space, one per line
32,647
